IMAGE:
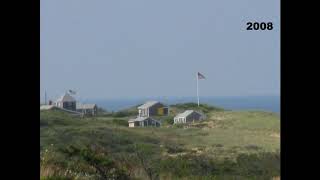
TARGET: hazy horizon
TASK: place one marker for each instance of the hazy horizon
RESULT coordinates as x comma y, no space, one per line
124,49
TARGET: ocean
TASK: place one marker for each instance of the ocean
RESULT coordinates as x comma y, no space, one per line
262,103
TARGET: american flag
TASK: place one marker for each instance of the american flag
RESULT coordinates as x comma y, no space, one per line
200,76
72,92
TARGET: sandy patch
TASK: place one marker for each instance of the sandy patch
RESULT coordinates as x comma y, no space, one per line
276,135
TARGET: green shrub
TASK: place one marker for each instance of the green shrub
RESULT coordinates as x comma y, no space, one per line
173,148
262,164
168,120
246,166
56,177
97,158
178,125
202,107
120,122
148,159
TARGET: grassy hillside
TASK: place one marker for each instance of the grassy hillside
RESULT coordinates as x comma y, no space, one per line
228,145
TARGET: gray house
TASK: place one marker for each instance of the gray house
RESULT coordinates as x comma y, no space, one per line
188,116
143,122
87,109
66,102
152,108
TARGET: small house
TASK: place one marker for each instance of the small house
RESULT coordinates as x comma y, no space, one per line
144,122
87,109
66,102
188,116
152,108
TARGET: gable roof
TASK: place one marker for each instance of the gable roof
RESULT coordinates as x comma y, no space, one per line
85,106
148,104
142,119
46,107
66,98
138,119
186,113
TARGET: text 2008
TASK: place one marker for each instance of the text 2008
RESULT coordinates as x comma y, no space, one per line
259,26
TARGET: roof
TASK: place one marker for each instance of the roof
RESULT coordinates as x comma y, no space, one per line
148,104
46,107
138,119
186,113
141,119
66,98
85,106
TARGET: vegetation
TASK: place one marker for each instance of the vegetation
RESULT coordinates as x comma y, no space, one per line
205,108
228,145
123,113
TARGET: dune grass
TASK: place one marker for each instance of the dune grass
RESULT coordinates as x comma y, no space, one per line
227,145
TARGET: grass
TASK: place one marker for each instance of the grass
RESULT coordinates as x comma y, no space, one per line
228,145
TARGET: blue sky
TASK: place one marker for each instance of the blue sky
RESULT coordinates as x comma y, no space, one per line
119,49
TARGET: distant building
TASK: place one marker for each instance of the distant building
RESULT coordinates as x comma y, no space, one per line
188,116
152,108
143,122
87,109
66,102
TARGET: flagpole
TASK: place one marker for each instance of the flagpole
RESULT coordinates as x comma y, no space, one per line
198,90
45,97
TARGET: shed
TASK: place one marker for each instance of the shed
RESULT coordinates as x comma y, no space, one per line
188,116
87,109
144,122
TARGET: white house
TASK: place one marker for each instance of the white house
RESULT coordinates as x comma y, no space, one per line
188,116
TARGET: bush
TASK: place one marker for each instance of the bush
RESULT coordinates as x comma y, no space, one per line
120,122
55,178
146,155
262,164
173,148
179,125
202,107
168,120
189,165
246,166
97,158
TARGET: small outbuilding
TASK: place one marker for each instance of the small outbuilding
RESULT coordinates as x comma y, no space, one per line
188,116
87,109
144,122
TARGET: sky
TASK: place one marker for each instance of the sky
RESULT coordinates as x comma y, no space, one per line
126,48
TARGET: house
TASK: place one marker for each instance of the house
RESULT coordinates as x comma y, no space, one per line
66,102
152,108
143,122
188,116
87,109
